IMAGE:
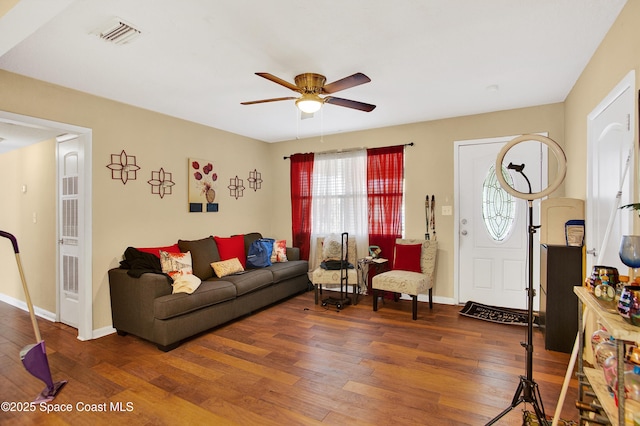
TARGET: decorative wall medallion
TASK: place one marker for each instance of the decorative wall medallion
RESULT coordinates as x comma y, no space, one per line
123,167
202,193
161,183
255,180
236,187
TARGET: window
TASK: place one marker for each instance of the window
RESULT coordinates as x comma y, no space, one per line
359,192
339,196
498,206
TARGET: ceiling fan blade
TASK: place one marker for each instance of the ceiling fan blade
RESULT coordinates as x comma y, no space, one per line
345,83
278,80
349,104
269,100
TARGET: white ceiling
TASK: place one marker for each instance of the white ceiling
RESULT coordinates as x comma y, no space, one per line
196,59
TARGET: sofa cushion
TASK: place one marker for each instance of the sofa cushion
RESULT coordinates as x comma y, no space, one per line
251,280
230,247
209,293
284,270
203,253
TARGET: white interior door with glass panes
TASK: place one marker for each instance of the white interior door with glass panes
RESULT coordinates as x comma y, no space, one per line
69,236
492,225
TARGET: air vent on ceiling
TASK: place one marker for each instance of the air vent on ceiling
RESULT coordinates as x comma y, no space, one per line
118,32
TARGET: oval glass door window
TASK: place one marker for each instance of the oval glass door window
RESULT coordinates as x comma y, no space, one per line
498,206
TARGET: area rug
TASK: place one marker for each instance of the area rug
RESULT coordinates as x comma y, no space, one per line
496,314
530,419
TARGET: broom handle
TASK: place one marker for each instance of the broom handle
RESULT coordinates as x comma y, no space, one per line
36,330
567,379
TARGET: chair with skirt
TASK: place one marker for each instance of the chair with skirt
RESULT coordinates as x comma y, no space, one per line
335,277
413,272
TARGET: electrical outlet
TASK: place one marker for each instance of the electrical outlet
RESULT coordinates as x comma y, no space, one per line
447,210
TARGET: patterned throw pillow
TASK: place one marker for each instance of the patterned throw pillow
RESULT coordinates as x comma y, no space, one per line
279,253
227,267
178,267
174,264
332,248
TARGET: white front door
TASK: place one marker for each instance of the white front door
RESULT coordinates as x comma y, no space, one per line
492,262
610,150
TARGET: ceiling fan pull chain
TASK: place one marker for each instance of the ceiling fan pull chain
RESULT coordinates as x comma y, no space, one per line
321,126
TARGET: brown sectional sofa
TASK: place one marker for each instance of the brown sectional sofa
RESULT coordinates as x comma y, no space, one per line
146,307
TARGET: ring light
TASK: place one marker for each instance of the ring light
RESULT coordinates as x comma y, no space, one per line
557,151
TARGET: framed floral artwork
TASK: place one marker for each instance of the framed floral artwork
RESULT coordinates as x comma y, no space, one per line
202,186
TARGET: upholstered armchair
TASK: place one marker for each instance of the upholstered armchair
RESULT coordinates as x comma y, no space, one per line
413,272
331,278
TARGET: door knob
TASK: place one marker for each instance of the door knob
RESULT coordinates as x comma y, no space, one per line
463,232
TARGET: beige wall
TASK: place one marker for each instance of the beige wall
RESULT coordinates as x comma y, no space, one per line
618,54
35,167
129,215
6,6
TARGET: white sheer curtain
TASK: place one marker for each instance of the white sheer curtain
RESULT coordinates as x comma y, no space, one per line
339,202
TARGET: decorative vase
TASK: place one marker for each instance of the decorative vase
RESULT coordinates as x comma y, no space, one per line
630,250
210,195
629,304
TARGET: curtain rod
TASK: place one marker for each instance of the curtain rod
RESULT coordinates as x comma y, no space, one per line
345,150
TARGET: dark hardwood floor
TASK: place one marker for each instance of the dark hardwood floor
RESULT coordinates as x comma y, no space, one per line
293,363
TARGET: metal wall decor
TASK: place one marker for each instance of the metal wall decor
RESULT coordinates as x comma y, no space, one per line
236,187
255,180
202,193
123,167
161,182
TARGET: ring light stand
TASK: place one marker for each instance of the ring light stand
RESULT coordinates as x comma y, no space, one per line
527,390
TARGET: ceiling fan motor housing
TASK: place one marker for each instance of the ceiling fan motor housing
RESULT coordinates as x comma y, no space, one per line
310,82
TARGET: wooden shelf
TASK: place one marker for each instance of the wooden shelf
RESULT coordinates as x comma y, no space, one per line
596,380
622,331
618,327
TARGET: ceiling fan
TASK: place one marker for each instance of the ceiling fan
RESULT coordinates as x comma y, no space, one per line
312,85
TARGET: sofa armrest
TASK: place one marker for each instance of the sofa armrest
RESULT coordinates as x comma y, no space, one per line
132,301
293,253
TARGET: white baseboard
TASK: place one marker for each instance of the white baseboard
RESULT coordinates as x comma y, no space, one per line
101,332
51,316
42,313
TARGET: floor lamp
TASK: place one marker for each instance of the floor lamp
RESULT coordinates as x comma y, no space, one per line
527,390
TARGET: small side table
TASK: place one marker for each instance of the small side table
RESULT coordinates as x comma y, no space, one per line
379,265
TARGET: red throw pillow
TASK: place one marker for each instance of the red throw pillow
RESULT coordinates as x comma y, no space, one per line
408,257
156,250
232,247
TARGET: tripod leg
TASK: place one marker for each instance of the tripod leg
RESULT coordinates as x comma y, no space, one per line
538,408
517,399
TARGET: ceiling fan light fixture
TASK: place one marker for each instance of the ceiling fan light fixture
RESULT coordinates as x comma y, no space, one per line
309,103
